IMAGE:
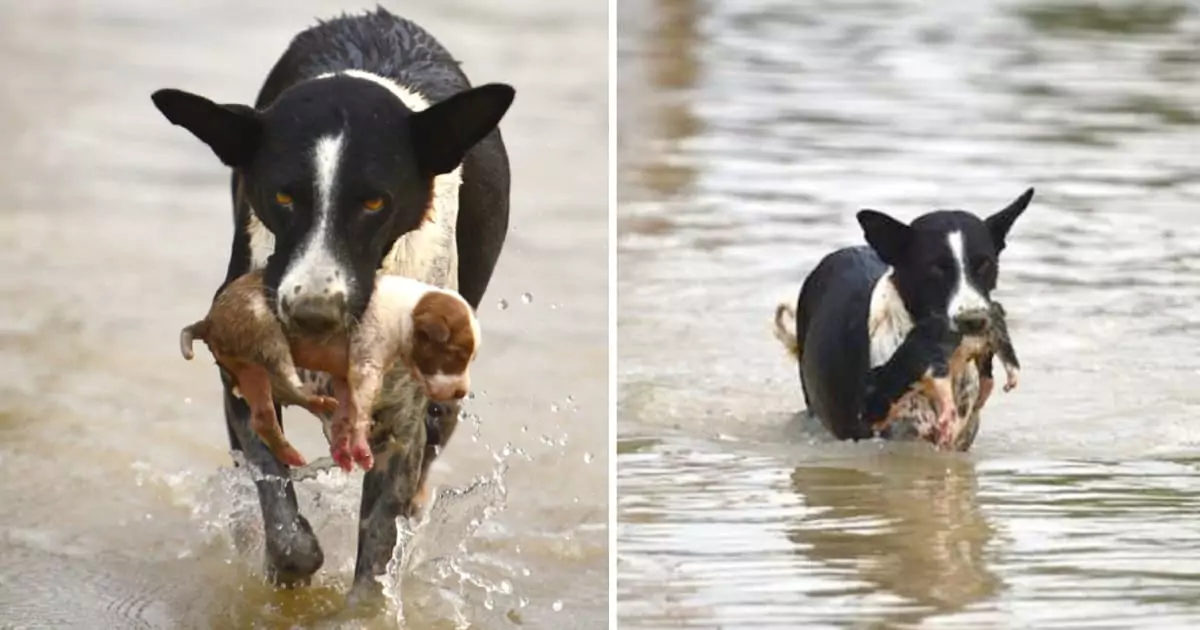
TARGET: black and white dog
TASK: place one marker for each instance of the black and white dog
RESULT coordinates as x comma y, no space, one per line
872,317
367,151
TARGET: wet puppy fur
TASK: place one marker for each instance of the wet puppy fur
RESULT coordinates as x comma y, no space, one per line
933,340
432,331
338,158
930,314
245,338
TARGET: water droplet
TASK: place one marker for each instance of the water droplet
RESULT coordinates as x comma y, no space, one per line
502,304
557,605
523,602
187,401
553,306
526,572
547,440
588,457
489,604
570,399
553,407
506,587
524,428
470,395
527,297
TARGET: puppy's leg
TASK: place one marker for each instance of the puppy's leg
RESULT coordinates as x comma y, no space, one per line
1004,347
339,428
255,384
288,389
987,382
390,488
366,382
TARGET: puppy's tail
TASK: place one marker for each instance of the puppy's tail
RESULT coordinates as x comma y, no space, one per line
199,330
785,329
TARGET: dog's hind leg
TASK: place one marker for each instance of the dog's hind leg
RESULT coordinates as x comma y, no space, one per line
293,553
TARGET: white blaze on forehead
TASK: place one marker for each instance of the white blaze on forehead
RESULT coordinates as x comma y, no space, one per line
314,264
964,297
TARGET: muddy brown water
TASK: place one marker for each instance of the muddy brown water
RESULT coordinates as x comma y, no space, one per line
118,504
749,134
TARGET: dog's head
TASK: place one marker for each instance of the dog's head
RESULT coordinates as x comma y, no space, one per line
445,340
946,261
337,168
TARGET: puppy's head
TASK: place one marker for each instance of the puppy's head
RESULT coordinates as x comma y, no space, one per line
445,340
947,261
337,168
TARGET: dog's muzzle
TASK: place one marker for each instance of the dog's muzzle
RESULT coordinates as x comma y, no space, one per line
972,322
314,314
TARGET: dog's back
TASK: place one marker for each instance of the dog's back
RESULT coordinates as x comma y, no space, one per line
833,344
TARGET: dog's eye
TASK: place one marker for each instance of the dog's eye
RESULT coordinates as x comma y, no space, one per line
283,199
373,204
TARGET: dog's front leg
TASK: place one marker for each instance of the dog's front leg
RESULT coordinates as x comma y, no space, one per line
398,442
920,364
293,553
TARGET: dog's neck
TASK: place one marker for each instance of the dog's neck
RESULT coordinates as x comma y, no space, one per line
430,253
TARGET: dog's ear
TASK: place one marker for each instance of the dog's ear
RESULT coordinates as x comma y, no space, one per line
232,132
443,133
1000,223
887,236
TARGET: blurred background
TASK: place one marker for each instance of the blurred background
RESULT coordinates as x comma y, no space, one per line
118,505
750,132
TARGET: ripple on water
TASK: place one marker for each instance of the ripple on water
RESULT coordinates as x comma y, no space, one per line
751,133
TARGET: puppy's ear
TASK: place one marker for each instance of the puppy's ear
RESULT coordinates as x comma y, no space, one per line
443,133
1000,223
887,236
434,329
232,132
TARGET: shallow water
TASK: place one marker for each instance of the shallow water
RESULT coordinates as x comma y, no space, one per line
750,133
118,504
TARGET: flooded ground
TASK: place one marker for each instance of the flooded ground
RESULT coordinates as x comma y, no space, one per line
750,132
118,505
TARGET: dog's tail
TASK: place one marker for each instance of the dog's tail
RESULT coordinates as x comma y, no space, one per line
785,329
199,330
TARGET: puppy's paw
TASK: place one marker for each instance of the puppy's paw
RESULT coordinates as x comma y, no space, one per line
322,404
1010,382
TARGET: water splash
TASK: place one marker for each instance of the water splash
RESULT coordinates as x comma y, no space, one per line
527,298
436,553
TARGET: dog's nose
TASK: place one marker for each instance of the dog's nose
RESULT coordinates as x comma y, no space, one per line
315,314
973,322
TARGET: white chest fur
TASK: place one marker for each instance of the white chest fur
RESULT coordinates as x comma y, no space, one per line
888,321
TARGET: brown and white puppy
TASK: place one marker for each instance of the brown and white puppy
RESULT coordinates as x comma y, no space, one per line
433,331
246,339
